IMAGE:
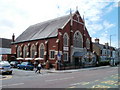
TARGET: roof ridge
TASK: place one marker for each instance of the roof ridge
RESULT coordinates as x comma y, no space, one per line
50,20
6,38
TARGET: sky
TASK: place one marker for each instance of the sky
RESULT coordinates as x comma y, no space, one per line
101,16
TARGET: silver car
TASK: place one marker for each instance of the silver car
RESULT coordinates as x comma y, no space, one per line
5,67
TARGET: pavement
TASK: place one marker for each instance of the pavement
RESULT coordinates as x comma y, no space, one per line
74,70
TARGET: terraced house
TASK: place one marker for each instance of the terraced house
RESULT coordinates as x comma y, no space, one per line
64,39
104,52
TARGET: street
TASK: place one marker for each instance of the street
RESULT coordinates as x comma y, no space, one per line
106,77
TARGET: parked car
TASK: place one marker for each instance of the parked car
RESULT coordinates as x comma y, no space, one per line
26,66
14,64
5,67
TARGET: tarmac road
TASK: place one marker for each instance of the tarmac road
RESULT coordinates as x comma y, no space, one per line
106,77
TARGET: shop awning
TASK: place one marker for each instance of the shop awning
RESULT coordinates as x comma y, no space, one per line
28,58
39,59
19,58
78,54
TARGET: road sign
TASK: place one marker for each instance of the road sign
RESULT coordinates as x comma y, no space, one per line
59,56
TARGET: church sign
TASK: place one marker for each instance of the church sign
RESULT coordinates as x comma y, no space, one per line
65,48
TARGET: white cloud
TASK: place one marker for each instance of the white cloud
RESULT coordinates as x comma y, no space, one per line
94,28
107,25
17,15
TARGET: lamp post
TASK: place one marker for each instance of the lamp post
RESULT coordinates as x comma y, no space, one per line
110,50
110,38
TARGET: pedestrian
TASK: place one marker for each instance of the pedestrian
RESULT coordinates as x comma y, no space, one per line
38,68
35,64
97,64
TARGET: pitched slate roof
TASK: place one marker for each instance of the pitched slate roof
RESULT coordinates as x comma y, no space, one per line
42,30
99,45
5,43
103,46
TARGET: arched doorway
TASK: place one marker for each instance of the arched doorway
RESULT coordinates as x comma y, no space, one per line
77,56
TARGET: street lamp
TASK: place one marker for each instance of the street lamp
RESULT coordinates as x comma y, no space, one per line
110,38
110,45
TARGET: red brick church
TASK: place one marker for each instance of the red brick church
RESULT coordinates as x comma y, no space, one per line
61,40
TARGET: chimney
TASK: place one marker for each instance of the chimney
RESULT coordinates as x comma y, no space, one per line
13,38
106,44
97,40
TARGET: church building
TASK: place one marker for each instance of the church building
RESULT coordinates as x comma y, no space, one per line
61,40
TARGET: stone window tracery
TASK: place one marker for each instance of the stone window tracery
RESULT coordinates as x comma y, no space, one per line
78,40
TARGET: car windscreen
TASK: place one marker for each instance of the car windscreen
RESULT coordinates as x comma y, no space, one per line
24,63
12,62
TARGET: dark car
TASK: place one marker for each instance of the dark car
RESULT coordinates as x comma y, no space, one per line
5,67
14,64
25,66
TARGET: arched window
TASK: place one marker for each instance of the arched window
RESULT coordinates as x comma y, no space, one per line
25,50
78,40
65,39
19,51
41,50
33,51
88,43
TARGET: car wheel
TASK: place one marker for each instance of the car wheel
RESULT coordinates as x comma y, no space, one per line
25,68
31,69
10,72
18,67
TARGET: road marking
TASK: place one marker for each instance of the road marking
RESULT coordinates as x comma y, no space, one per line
72,87
81,83
106,82
75,84
12,84
116,77
59,79
85,83
100,86
110,82
6,77
96,80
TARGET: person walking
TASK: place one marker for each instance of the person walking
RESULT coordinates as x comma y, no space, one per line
38,68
